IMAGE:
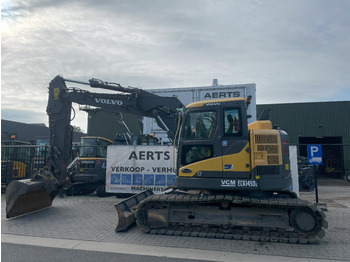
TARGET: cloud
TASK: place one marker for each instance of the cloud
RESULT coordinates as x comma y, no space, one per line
21,115
294,51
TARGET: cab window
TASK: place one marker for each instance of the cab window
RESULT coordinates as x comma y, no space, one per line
194,153
232,122
199,125
93,147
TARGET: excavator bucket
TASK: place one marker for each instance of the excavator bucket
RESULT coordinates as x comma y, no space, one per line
26,196
126,210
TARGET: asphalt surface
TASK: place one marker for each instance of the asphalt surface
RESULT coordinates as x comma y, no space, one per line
25,253
76,226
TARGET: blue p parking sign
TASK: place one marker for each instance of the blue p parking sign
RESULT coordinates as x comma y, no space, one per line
314,154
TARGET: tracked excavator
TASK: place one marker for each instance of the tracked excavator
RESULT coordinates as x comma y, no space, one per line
233,179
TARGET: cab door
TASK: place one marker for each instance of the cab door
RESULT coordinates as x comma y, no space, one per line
234,142
200,147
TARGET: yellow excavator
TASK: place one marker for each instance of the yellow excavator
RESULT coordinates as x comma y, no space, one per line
89,167
233,179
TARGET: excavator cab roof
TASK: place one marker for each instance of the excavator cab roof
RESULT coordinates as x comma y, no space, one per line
98,137
205,102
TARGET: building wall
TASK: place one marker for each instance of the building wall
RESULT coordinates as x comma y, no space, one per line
27,132
104,124
318,119
23,132
325,123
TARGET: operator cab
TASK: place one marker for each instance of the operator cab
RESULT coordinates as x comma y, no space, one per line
91,165
211,133
219,151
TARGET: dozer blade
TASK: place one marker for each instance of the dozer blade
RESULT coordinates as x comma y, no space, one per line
25,196
126,210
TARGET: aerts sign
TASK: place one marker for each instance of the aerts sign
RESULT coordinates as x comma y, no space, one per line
227,94
131,169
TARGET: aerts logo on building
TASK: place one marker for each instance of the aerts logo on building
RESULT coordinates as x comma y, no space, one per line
222,94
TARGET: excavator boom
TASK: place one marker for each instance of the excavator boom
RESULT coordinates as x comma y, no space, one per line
37,192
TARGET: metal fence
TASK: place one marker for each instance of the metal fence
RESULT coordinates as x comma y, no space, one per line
20,161
328,183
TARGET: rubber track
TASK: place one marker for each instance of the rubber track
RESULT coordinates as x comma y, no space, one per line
238,233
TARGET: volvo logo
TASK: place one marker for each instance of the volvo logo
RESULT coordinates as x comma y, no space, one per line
108,101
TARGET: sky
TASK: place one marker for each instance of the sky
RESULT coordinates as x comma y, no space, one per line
293,50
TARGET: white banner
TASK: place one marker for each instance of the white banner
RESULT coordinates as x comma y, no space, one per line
293,152
131,169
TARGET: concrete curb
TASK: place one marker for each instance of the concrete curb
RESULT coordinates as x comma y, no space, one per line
148,250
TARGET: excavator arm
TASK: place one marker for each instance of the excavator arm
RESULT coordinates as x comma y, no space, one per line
29,195
128,100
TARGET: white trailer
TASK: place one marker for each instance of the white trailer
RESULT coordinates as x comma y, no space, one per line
188,95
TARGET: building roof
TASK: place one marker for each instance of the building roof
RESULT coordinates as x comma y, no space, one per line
27,132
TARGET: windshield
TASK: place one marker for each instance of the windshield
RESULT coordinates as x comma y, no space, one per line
44,141
93,147
199,125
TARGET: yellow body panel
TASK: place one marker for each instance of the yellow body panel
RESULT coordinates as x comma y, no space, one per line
19,169
265,147
212,164
56,93
265,124
201,103
240,161
102,138
90,158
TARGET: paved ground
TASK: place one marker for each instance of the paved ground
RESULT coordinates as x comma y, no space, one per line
90,218
26,253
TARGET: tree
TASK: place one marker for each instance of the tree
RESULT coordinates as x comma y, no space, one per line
78,129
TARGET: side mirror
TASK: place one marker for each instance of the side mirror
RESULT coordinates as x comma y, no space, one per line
248,100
